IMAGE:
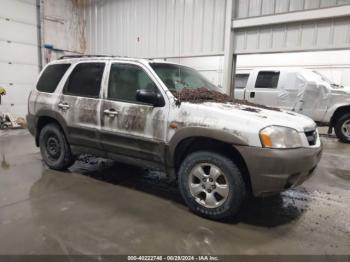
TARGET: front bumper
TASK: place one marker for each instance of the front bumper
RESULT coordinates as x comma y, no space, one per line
276,170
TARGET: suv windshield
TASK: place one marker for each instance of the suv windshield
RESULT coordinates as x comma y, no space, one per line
177,77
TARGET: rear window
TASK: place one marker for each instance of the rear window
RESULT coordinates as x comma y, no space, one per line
85,80
50,78
241,81
267,79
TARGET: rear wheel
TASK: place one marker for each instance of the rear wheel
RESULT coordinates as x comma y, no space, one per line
211,185
342,128
4,126
54,148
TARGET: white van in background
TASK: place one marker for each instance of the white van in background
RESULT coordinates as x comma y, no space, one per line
300,90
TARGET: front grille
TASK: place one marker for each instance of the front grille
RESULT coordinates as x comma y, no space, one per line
311,137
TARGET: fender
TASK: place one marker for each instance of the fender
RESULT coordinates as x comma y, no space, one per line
328,118
55,116
188,132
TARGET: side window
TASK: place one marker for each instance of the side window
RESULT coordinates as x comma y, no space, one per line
50,78
241,81
267,79
85,80
125,80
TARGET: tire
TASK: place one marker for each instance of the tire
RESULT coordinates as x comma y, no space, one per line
54,148
197,194
4,126
342,128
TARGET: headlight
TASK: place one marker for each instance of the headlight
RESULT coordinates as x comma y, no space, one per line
280,137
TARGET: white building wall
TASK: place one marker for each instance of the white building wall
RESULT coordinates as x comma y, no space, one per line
253,8
18,53
64,28
155,28
278,32
333,33
192,32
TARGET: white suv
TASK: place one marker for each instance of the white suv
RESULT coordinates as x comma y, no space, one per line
166,116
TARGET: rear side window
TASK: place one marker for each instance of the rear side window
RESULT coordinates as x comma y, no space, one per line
85,80
267,79
125,80
50,78
241,81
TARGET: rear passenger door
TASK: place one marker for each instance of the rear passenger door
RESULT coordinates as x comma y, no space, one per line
79,103
265,89
43,99
130,129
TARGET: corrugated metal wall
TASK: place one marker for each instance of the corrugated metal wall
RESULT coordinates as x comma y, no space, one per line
301,36
64,25
155,28
252,8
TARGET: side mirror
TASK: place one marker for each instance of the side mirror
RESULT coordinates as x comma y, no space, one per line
150,97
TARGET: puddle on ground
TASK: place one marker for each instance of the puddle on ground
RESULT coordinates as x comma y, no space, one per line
341,173
4,164
265,212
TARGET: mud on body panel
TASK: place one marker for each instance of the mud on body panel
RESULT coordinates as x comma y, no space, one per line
88,114
82,119
135,130
39,101
134,119
202,117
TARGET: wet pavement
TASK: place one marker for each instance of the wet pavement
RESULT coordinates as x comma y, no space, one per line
101,207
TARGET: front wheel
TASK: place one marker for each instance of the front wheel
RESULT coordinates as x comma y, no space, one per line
54,148
211,185
342,128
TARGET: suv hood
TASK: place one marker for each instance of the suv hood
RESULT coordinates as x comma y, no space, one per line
264,117
243,120
341,91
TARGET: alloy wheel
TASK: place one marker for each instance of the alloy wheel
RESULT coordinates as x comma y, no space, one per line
208,185
346,128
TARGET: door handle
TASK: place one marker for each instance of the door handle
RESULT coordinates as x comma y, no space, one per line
63,105
252,94
110,112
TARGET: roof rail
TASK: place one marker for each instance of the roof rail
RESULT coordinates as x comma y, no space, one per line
81,56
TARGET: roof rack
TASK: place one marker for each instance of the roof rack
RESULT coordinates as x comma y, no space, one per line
81,56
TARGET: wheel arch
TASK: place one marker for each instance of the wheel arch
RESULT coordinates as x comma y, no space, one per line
46,117
211,140
338,113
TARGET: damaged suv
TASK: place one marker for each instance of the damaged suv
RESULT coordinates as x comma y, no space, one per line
168,117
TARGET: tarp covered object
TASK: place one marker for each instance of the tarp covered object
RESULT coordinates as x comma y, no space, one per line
303,92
